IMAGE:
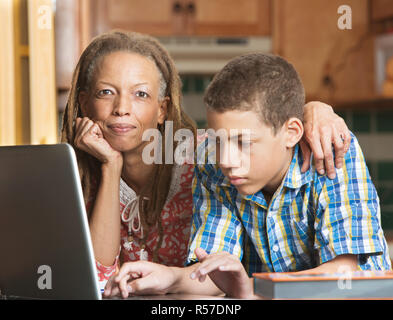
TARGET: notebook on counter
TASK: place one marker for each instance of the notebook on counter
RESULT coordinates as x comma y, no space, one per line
292,285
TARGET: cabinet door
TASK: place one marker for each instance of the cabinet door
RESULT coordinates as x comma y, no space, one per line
230,17
335,65
146,16
381,9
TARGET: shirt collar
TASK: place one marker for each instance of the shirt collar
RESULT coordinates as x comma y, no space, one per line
295,178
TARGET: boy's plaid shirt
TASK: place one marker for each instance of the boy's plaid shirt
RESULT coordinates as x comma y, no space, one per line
311,219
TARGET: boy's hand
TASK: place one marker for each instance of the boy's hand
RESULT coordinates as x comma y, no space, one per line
226,271
322,129
89,138
140,278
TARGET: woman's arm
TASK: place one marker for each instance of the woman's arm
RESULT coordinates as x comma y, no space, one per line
105,218
322,130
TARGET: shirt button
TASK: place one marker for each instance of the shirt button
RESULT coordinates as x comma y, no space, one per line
276,248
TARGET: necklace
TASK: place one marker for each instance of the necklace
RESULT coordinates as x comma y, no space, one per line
134,214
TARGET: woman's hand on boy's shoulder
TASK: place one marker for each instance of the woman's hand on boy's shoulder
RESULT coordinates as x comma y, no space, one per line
322,129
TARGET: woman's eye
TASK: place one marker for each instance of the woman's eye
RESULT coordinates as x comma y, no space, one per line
142,94
104,92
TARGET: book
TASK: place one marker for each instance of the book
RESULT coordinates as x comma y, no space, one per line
294,285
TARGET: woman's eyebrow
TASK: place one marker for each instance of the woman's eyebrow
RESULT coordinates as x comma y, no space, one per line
114,85
105,83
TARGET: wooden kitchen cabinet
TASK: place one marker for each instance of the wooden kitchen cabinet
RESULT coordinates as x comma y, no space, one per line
147,16
184,17
381,9
335,65
231,17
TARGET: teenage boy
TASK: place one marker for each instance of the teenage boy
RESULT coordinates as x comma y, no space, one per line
256,211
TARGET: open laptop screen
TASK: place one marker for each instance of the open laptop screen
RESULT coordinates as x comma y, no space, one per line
45,246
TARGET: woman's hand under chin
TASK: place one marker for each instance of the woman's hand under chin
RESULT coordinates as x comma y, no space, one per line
89,138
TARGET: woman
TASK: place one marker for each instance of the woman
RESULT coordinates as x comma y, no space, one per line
123,85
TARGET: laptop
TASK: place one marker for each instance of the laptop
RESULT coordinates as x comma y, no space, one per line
45,245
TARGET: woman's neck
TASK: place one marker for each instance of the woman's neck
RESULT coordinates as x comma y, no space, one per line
135,172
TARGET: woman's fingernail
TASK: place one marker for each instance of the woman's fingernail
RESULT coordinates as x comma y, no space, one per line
192,276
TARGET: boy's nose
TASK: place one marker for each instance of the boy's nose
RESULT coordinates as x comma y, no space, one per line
229,156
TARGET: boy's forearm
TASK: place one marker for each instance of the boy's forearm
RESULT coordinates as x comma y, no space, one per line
342,263
184,284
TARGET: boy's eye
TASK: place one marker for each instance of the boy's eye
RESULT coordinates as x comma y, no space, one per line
245,144
142,94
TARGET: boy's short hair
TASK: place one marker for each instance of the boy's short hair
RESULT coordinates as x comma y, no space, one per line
265,83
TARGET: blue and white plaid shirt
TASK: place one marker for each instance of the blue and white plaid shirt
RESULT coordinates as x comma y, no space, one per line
310,220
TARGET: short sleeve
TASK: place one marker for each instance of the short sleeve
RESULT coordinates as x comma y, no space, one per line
105,272
348,214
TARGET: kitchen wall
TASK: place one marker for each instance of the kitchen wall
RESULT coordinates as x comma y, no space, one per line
338,66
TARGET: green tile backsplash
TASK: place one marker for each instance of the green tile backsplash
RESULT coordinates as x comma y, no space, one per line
386,219
361,122
385,170
385,121
386,195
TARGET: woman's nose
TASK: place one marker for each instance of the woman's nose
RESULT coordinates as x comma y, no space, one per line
122,106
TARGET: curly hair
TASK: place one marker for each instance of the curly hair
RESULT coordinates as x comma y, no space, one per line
264,83
156,190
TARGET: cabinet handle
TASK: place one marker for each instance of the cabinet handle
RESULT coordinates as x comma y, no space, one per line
177,7
191,7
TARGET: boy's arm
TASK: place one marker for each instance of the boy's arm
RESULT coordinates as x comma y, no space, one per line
340,264
347,218
227,273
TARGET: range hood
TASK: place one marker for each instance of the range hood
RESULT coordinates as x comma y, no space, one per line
207,55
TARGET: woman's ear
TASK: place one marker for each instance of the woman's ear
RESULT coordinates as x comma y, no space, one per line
82,99
295,131
163,110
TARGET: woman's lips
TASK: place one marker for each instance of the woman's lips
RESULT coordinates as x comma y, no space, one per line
121,128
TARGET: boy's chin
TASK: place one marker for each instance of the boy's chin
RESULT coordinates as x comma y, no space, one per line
247,190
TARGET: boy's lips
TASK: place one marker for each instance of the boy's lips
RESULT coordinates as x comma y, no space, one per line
236,180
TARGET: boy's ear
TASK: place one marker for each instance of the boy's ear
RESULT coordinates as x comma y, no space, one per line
82,99
163,110
295,131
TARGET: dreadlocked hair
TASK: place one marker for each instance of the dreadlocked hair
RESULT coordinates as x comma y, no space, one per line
155,190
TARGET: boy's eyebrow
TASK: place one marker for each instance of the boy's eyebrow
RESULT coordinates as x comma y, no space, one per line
239,136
